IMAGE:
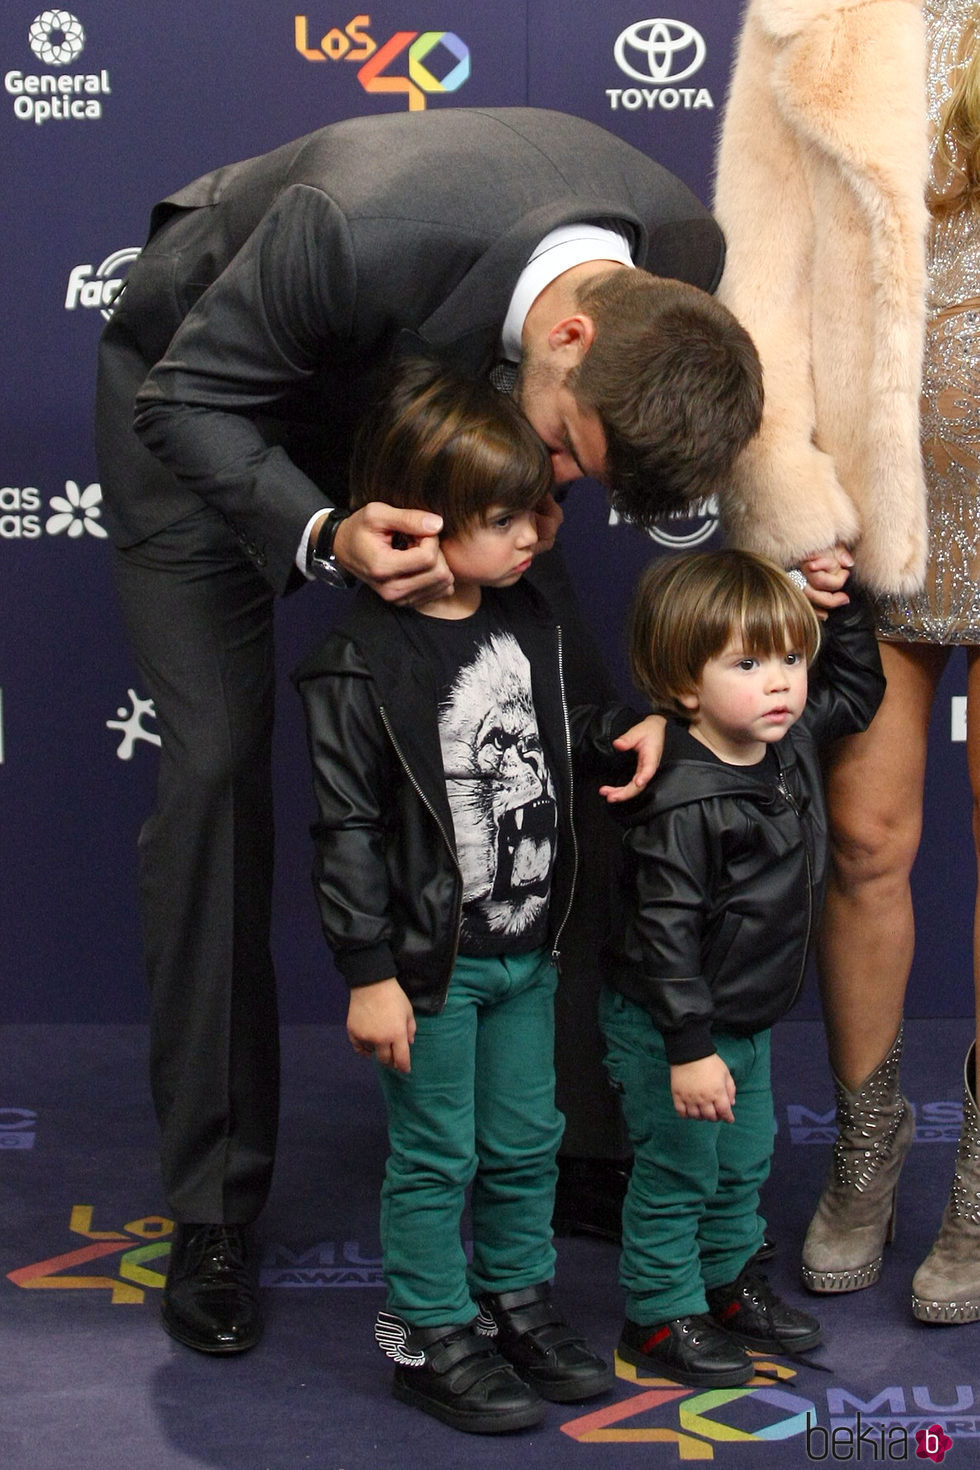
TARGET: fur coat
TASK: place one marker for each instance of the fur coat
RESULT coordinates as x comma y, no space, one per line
822,170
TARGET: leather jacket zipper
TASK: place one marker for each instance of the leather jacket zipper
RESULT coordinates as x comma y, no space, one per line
790,800
450,846
555,950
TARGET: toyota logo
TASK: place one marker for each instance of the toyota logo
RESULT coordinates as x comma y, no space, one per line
666,50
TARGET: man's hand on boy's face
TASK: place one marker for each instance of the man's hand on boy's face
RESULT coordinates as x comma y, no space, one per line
396,552
548,515
381,1023
647,739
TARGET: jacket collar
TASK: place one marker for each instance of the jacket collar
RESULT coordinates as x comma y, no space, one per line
465,328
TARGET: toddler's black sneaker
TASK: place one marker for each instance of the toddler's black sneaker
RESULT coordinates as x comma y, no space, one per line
458,1376
691,1350
548,1354
756,1317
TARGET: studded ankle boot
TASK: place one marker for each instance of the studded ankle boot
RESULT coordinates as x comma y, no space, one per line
856,1213
946,1287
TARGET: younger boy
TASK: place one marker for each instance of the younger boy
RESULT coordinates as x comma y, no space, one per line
725,871
444,868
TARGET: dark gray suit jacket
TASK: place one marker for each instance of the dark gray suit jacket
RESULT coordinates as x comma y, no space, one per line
270,292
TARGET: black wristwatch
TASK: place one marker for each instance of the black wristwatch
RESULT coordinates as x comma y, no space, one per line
320,560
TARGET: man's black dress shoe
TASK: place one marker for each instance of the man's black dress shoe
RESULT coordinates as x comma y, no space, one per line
548,1354
210,1300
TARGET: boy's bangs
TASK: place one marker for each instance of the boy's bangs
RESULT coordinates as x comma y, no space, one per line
776,625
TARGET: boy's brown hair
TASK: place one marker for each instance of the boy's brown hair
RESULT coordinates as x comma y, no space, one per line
687,609
448,444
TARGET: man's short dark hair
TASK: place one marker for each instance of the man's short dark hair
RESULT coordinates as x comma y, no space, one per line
677,385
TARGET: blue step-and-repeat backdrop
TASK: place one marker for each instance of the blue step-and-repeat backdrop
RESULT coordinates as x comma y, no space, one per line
107,107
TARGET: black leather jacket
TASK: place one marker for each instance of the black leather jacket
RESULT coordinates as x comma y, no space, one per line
385,870
724,875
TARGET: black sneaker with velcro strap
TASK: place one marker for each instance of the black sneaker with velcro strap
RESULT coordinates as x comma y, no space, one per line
457,1375
548,1354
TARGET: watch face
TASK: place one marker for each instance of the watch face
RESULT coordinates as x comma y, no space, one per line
330,572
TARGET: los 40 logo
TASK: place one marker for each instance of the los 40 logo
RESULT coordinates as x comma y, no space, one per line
422,53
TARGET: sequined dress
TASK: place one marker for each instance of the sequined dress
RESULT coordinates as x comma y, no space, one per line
947,610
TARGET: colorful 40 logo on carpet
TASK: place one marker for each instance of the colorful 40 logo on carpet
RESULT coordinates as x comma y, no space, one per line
136,1245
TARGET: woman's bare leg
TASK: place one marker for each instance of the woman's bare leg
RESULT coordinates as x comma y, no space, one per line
874,794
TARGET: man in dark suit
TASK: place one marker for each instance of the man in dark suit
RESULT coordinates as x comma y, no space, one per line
249,337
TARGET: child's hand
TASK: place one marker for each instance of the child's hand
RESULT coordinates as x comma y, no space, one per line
381,1023
826,573
647,739
703,1089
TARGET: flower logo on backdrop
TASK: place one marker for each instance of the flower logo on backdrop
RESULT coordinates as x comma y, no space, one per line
56,37
76,512
659,54
99,286
129,722
427,62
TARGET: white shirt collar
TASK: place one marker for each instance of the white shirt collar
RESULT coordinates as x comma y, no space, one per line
559,251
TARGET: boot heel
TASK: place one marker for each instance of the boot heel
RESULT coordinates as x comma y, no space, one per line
946,1287
856,1214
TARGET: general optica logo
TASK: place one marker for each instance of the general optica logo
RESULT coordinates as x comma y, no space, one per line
56,37
659,54
419,64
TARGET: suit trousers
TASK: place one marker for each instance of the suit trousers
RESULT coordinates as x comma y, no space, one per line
200,621
594,1126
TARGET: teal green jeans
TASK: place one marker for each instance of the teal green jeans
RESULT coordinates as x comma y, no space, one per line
691,1217
477,1109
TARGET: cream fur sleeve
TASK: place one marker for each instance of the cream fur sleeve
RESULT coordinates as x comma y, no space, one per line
785,499
819,191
